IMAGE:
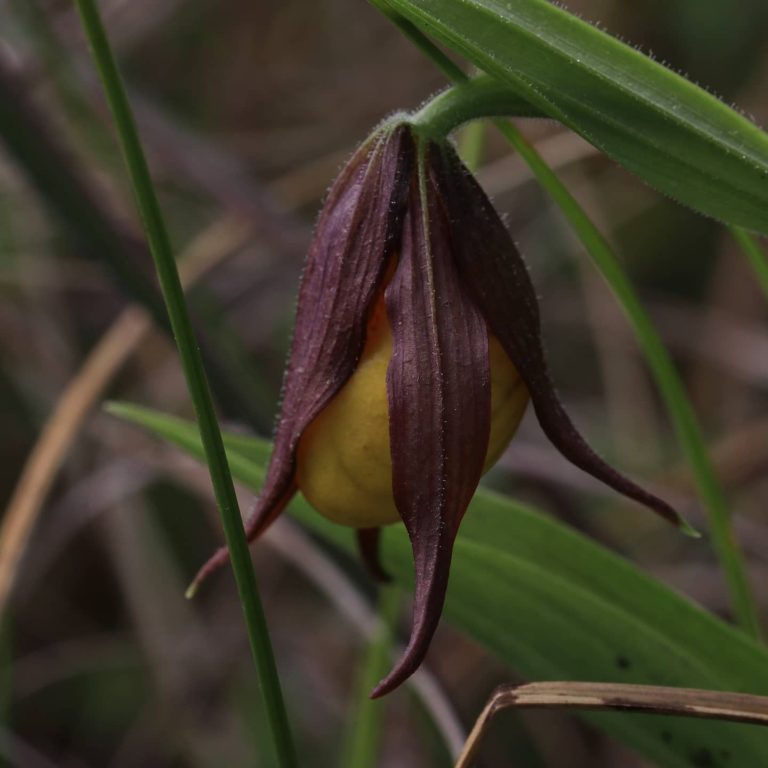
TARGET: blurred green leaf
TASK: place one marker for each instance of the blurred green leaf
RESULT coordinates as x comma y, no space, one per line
755,256
360,747
554,605
674,135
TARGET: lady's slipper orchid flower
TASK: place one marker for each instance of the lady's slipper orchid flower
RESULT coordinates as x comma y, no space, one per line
416,347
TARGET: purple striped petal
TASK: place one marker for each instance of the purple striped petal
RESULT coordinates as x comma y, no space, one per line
368,540
356,235
438,385
494,273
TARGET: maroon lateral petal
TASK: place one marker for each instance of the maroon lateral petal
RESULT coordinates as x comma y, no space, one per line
356,234
438,386
497,278
368,540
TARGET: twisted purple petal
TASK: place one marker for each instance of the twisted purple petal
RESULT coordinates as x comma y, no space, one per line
496,276
438,384
356,235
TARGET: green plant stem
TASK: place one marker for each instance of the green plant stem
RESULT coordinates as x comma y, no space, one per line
482,96
755,255
471,144
364,730
196,381
659,361
448,67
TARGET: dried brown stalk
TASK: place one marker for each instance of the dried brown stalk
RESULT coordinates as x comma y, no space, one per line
652,699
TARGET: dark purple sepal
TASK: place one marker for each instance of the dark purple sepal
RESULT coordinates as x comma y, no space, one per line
494,273
357,233
368,540
438,386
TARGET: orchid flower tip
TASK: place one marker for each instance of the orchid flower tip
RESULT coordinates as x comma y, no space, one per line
688,530
192,590
380,690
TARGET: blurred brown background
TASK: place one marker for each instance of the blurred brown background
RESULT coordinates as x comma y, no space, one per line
247,111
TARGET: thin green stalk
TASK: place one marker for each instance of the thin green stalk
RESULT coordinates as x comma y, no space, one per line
472,144
755,255
448,67
483,96
659,361
196,381
364,730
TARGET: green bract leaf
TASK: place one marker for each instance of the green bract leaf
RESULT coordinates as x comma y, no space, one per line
554,605
674,135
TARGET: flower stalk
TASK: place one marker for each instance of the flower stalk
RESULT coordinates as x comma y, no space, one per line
482,96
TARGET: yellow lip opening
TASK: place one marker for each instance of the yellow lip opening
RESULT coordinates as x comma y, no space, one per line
344,468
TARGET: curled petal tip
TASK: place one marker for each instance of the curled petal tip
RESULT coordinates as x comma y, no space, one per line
381,689
687,529
213,563
427,607
405,667
657,505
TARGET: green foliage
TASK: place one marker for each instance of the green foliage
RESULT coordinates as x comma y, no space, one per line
364,722
755,256
573,610
674,135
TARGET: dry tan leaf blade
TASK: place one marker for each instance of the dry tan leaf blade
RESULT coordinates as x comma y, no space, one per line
652,699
